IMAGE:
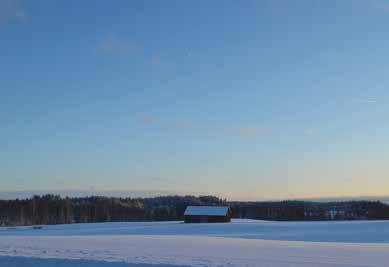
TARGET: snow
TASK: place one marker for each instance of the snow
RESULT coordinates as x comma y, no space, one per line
206,210
341,231
245,243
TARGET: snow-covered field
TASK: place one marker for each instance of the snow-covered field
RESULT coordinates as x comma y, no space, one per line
240,243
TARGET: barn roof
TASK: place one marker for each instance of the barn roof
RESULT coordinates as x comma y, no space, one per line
206,210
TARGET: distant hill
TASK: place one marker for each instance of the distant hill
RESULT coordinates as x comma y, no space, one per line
384,199
9,195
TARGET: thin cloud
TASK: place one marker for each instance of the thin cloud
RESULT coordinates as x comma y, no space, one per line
380,6
184,124
249,132
188,125
148,119
114,45
155,60
365,101
310,131
159,179
13,11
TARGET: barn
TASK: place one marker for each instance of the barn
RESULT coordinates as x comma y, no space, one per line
207,214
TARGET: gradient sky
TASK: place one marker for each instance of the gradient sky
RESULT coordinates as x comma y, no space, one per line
251,99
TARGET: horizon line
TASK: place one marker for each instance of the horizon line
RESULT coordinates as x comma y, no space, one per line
138,193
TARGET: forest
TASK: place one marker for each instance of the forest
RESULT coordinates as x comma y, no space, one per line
53,209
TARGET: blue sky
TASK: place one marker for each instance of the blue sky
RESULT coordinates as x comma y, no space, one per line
249,99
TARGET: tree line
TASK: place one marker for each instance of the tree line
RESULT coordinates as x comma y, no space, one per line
311,211
53,209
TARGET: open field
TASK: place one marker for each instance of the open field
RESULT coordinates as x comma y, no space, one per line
240,243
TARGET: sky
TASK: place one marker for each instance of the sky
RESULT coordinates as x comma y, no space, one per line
249,99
